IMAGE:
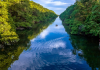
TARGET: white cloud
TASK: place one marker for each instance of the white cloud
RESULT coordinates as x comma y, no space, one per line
57,45
44,34
56,5
33,60
52,29
59,8
54,2
55,8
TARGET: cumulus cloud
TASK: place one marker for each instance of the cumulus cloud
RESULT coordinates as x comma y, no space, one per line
59,8
57,45
33,59
55,8
44,34
52,29
53,2
56,3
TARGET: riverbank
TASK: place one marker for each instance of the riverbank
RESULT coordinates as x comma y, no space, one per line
50,47
20,15
69,30
26,34
35,24
83,18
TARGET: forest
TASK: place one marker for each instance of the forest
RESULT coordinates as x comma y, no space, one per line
11,53
20,14
83,18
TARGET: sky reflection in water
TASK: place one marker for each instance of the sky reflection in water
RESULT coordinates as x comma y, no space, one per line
51,50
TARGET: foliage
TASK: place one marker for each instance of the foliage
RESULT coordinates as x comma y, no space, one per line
6,28
86,48
20,13
10,53
83,17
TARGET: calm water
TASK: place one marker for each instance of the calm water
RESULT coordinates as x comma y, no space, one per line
52,49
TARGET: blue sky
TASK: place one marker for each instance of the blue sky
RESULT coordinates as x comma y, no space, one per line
58,6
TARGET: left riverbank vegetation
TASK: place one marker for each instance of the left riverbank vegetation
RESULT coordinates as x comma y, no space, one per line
10,53
83,17
20,14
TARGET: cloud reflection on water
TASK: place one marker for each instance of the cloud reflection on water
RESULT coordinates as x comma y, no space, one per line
53,29
47,53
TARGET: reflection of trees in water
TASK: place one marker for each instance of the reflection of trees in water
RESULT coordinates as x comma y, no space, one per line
10,53
87,48
99,43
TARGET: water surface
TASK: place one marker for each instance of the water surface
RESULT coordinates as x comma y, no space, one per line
55,49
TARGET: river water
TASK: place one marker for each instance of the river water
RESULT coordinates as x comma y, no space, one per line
55,49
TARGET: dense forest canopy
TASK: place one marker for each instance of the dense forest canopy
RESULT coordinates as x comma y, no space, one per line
11,53
20,13
83,17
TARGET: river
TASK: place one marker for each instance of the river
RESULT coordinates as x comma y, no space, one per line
55,49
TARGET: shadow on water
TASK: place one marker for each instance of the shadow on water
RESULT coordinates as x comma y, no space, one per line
50,48
86,48
11,52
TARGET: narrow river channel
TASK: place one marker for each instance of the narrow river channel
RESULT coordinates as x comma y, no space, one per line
55,49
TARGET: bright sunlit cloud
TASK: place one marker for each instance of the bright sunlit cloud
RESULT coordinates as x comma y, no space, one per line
57,45
58,6
51,30
44,34
53,2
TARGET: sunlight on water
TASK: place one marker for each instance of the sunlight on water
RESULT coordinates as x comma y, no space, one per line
55,49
